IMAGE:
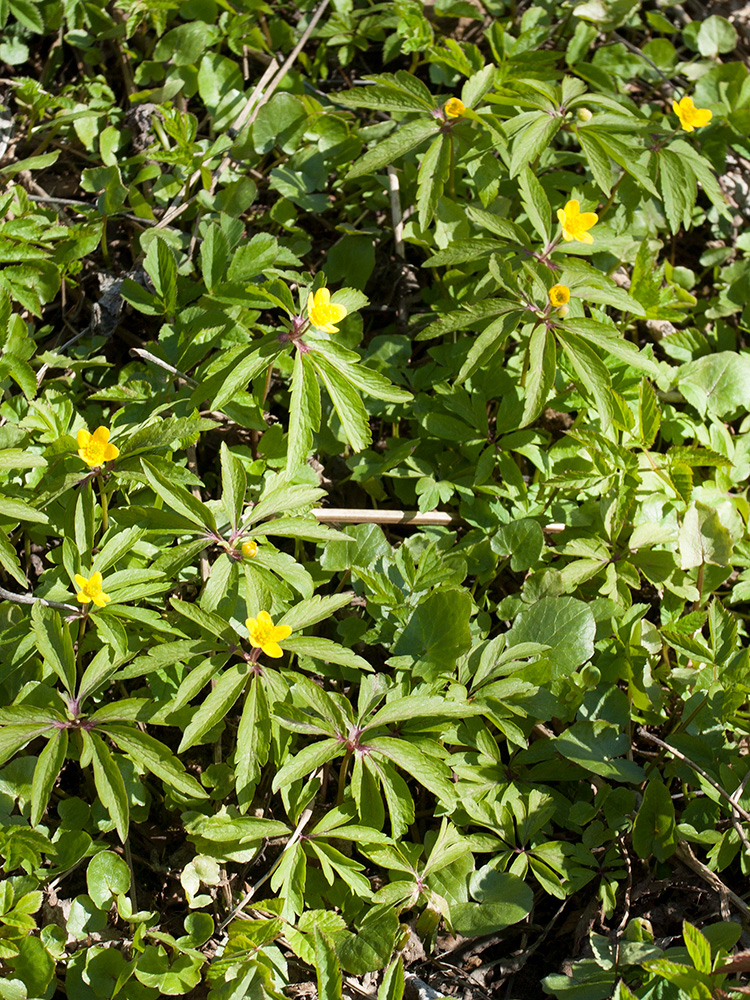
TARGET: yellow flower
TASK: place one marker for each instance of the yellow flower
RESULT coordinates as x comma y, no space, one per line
574,222
95,448
249,548
91,590
323,313
559,295
265,635
691,117
454,108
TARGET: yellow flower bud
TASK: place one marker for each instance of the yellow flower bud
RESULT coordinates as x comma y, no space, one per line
584,115
249,548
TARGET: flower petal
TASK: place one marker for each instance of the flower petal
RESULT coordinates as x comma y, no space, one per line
272,649
561,217
337,312
279,633
322,297
110,453
101,435
83,598
573,209
82,438
588,219
80,581
264,619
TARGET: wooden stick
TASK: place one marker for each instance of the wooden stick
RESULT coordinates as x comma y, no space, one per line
351,515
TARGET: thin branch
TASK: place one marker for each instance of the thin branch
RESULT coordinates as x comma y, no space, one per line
147,356
303,821
6,595
699,770
684,853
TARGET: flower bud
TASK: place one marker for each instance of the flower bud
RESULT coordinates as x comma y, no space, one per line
249,548
563,311
454,108
584,115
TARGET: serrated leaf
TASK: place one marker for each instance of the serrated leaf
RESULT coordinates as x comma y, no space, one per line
433,173
535,202
406,137
649,414
48,767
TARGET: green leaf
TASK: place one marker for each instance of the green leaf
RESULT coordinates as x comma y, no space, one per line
428,771
304,411
387,151
565,624
327,967
536,203
178,498
595,747
371,946
213,256
19,510
253,743
239,376
110,786
433,173
347,402
703,538
307,761
55,644
145,750
162,269
10,562
503,900
325,650
233,485
48,767
437,633
716,36
649,414
487,344
392,986
717,384
698,947
216,706
532,141
597,159
314,610
540,373
107,877
283,498
678,189
654,827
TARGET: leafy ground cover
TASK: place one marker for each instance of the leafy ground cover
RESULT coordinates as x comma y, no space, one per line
270,270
